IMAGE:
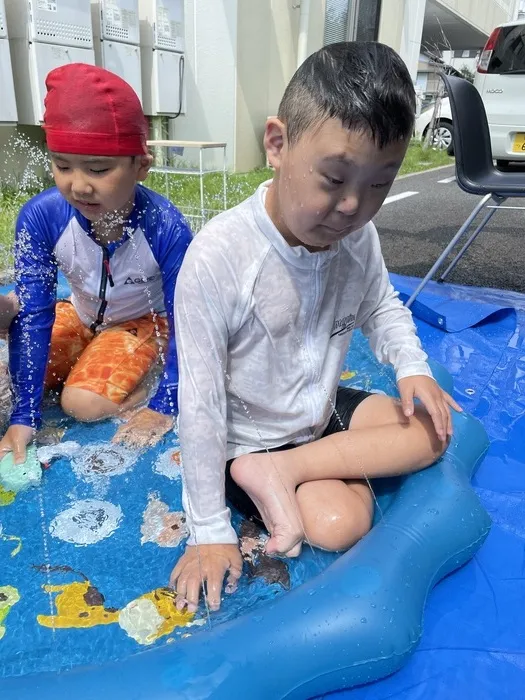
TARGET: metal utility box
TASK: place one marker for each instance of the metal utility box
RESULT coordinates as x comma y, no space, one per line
162,45
117,37
8,113
45,34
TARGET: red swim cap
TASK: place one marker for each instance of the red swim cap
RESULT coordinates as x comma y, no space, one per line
91,111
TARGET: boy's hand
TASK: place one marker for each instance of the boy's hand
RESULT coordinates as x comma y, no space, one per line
434,399
16,439
144,429
206,565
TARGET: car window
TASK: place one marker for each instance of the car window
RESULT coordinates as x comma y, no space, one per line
509,52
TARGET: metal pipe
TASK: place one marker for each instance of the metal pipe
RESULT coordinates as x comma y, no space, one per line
472,238
447,250
304,21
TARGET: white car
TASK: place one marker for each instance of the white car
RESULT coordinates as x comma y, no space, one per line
443,128
500,80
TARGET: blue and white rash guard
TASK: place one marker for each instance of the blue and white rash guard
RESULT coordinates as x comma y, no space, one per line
109,284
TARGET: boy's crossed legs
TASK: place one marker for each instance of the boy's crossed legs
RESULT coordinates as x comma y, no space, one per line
317,491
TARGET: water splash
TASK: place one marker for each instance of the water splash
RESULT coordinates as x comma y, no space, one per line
24,171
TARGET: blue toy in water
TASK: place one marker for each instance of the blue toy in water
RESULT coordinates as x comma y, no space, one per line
358,621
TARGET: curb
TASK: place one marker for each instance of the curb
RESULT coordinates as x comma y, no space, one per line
423,172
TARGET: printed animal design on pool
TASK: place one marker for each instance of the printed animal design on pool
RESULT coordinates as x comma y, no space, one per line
168,464
11,538
6,497
78,604
50,434
102,460
9,596
81,605
162,526
153,616
347,374
260,564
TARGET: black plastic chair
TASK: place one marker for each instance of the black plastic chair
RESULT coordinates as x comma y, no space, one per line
475,170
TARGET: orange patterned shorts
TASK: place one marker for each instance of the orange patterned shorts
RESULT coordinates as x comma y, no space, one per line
111,363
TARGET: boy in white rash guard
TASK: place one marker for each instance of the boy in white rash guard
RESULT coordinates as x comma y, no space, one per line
266,301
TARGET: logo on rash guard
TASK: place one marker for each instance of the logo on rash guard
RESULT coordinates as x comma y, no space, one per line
141,280
343,325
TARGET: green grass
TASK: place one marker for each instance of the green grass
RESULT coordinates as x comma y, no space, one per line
10,203
184,192
418,159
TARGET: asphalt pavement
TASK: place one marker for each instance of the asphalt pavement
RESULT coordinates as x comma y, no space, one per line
422,214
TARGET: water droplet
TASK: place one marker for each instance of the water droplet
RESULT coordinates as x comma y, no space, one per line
363,620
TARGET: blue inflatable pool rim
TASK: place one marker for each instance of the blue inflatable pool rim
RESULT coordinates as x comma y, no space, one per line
357,621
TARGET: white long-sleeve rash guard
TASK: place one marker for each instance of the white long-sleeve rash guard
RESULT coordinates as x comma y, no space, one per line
263,329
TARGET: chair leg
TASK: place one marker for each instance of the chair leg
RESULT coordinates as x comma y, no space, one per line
447,250
499,201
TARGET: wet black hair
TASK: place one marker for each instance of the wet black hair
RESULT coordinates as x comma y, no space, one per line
366,85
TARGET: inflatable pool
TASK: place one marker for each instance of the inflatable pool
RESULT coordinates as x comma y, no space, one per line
84,560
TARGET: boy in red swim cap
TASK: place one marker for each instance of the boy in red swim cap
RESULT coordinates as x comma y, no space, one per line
120,247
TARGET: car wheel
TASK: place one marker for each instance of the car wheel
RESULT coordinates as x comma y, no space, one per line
443,137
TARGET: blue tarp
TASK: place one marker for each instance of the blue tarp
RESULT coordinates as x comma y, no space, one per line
474,635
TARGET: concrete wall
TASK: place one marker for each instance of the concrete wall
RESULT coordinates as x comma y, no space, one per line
240,56
210,73
256,58
401,26
401,23
483,14
268,32
391,23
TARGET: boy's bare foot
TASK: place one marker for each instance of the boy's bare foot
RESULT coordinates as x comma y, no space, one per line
272,489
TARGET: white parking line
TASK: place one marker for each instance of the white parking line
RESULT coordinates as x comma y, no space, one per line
447,180
397,197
